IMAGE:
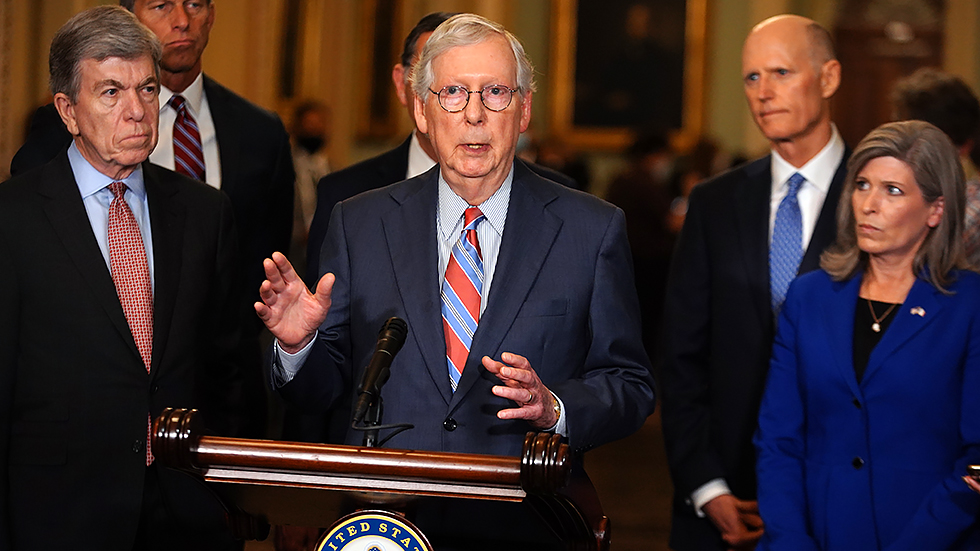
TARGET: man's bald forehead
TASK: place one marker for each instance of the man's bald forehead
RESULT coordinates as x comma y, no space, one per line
789,27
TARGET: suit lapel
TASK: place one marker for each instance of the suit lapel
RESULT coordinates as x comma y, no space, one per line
825,231
839,321
528,236
922,298
416,271
226,132
752,216
394,168
167,222
67,215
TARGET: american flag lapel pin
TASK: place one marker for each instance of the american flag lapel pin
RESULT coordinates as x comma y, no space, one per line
918,311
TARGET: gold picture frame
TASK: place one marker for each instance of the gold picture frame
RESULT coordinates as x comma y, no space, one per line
574,80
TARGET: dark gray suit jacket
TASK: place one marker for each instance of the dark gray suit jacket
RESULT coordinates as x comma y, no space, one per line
74,393
256,171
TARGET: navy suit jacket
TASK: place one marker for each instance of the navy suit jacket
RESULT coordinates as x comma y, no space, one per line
74,392
387,168
562,296
876,464
718,331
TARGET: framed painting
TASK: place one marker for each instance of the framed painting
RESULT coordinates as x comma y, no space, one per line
619,66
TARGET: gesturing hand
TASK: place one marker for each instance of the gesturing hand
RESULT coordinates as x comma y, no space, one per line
288,309
522,385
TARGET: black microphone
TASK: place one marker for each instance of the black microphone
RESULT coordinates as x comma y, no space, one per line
390,341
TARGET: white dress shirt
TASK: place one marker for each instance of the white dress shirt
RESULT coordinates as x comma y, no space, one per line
197,104
818,172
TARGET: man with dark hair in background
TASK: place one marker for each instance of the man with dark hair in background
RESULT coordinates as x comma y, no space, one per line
517,292
947,102
413,157
243,148
120,299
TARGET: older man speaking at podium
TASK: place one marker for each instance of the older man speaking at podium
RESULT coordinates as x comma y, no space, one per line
517,291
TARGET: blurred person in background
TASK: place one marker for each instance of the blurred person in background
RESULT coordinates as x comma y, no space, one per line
947,102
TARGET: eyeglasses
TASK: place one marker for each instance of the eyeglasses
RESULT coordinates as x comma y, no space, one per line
454,98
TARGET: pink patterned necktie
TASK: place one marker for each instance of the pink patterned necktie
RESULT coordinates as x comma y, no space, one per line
131,275
461,292
188,153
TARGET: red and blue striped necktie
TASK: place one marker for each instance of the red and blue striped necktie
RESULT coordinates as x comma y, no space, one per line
461,292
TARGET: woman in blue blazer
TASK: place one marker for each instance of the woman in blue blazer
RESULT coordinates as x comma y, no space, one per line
870,414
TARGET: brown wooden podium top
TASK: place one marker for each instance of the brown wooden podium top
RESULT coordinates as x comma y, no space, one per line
260,472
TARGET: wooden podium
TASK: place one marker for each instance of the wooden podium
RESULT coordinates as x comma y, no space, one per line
304,484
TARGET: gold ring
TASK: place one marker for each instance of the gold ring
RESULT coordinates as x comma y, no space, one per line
530,396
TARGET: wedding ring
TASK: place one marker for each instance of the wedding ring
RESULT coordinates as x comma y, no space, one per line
530,396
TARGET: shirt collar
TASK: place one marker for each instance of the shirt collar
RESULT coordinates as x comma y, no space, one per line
91,181
418,160
193,95
819,170
451,206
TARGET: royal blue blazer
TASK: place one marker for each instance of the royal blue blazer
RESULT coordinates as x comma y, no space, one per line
875,465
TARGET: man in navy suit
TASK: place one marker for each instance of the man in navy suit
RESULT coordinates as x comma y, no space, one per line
719,321
412,157
557,345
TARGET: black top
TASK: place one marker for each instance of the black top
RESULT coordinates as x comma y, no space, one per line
866,338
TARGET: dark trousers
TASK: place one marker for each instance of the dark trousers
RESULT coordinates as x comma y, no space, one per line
180,513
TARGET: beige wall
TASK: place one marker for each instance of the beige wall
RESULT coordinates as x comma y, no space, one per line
245,45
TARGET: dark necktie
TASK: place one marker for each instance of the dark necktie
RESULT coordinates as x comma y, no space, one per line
188,153
461,292
131,276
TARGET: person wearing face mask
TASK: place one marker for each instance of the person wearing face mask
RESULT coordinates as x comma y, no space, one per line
310,133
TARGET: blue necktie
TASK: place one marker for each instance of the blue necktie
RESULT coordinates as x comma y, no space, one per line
786,250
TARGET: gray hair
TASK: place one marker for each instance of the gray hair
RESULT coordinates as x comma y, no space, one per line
98,33
467,29
934,162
